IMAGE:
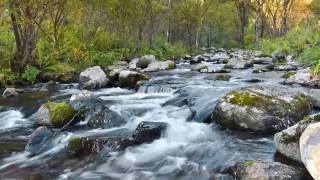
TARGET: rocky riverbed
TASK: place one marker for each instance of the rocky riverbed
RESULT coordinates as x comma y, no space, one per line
209,116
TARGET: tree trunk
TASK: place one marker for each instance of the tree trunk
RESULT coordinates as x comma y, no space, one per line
259,23
242,13
283,29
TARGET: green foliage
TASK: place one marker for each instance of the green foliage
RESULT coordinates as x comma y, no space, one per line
30,74
310,55
10,77
315,71
298,39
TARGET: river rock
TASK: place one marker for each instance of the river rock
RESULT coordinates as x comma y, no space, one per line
54,114
261,109
158,65
37,140
238,63
147,132
267,68
144,61
304,78
92,78
287,141
115,140
286,67
81,99
197,59
133,64
130,78
104,118
200,67
222,77
262,60
278,56
310,149
262,170
12,92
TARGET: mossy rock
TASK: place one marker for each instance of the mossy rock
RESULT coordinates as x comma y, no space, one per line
60,113
261,109
288,74
171,64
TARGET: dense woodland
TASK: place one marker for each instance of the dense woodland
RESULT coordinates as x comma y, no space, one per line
59,37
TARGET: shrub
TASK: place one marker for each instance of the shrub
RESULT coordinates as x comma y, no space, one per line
30,74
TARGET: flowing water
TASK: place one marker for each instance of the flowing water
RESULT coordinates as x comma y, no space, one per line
189,149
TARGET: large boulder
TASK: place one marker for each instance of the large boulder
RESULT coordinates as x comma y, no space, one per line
147,132
159,65
130,78
37,140
261,109
12,92
92,78
287,141
54,114
262,170
310,149
144,61
238,63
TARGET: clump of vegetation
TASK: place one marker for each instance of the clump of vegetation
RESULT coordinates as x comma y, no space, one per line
249,163
30,74
60,113
288,74
74,144
246,98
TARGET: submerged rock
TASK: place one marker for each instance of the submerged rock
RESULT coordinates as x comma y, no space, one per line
222,77
147,132
261,109
93,78
54,114
104,118
37,140
130,78
310,149
263,170
12,92
116,140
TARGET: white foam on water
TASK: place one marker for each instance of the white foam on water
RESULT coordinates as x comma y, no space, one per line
12,119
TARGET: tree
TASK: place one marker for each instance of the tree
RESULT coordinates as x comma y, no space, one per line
27,17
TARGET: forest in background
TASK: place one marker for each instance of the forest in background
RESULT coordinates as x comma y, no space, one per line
59,37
